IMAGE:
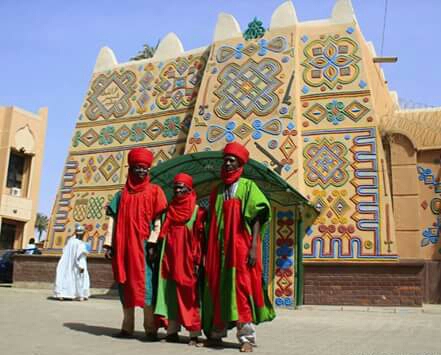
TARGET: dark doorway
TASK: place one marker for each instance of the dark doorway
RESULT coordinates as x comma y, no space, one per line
7,235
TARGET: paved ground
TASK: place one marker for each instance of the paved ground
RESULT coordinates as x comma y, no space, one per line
30,323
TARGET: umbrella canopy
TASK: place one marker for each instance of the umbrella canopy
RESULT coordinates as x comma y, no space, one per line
205,169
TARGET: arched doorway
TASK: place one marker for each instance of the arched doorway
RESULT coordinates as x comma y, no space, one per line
282,244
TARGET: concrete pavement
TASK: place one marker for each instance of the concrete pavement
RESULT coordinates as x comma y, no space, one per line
30,323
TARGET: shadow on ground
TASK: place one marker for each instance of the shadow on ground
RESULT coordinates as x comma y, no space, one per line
110,332
93,329
106,296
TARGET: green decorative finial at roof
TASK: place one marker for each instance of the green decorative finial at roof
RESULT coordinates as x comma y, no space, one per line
254,30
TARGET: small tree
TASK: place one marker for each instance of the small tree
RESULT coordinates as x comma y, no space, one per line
147,52
41,223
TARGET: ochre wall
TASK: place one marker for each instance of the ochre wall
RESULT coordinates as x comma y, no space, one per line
24,132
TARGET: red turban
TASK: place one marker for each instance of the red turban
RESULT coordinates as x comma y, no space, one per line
237,150
140,156
185,179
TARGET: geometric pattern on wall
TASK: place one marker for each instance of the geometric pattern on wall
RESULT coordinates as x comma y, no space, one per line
99,168
248,89
65,195
244,130
349,223
330,61
430,234
325,163
284,289
333,205
336,112
164,128
179,82
110,95
276,44
88,209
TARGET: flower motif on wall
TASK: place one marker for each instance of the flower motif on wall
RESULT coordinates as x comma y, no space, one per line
106,135
138,132
331,61
335,111
171,126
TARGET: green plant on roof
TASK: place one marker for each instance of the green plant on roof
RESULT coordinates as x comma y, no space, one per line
147,52
255,30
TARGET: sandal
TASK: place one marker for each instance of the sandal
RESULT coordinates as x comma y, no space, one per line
213,343
151,337
171,338
123,334
246,348
194,341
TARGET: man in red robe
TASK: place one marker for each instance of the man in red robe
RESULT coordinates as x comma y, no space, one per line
137,214
234,293
181,234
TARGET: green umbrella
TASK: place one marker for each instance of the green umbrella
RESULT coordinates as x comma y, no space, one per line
205,169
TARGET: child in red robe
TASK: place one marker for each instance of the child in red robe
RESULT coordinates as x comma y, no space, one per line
182,234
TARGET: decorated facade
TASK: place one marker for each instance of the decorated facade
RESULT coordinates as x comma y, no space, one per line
307,100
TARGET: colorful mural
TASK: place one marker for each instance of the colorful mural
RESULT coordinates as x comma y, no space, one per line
430,208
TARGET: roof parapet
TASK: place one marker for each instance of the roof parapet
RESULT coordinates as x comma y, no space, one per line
106,60
343,12
284,16
226,27
169,47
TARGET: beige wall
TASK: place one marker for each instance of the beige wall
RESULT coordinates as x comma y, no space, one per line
415,195
24,132
405,195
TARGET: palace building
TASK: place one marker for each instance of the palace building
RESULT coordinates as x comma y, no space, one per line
352,178
22,137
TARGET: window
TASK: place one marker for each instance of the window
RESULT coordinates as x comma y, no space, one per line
15,170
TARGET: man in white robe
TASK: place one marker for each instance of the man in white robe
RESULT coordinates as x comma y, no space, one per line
72,280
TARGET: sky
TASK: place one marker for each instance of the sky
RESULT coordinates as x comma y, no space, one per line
48,50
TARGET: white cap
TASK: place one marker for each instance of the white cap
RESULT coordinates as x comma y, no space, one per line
79,228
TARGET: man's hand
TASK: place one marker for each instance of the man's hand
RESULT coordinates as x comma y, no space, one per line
108,253
196,269
252,257
151,252
81,270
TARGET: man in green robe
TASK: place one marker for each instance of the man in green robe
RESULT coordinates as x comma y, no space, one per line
235,294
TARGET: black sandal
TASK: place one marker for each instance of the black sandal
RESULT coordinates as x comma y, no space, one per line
172,338
213,343
194,341
151,337
123,334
